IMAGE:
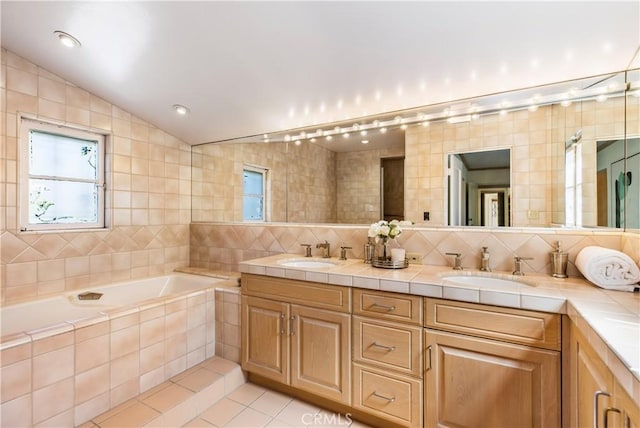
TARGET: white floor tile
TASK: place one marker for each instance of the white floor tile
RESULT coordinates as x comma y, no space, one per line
249,418
271,403
222,412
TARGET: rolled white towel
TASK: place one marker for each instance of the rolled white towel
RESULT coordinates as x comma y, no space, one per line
608,268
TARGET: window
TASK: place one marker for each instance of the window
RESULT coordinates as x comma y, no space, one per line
253,193
573,182
61,177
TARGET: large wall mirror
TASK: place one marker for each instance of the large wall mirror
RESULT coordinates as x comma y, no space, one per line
338,173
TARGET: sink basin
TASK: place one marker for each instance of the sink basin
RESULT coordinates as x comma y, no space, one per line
306,263
484,281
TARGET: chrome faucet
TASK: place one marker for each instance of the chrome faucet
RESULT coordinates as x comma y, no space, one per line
457,261
485,260
343,252
517,264
307,249
327,249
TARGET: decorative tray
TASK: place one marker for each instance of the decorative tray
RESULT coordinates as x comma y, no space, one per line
389,264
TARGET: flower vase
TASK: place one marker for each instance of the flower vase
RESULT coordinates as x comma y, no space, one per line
383,252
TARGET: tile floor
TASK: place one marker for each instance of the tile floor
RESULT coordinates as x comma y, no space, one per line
253,406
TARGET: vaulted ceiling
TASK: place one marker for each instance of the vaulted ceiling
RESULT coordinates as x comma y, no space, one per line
248,68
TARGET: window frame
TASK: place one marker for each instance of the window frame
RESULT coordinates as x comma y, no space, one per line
265,177
27,125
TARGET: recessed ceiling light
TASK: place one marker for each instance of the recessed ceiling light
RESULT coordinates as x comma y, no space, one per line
180,109
67,39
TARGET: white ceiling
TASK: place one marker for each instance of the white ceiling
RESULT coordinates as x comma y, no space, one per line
248,68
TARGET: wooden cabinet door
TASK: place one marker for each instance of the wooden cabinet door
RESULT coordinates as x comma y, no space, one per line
629,416
590,377
321,352
265,341
473,382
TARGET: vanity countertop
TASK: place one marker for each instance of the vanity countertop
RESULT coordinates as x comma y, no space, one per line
609,319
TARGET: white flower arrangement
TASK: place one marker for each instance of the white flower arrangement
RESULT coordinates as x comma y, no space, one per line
387,229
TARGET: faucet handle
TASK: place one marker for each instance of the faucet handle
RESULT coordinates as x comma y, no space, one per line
307,250
343,252
457,261
519,258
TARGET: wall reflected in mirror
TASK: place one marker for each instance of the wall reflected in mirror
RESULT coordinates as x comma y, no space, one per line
328,175
618,191
479,188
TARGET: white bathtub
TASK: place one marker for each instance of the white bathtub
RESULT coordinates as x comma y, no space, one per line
38,314
162,326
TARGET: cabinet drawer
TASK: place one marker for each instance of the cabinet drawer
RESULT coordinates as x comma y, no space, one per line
396,398
513,325
387,305
388,345
312,294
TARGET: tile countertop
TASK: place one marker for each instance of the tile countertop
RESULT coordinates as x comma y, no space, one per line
614,316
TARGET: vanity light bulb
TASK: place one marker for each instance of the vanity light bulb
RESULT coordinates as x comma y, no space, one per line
345,135
601,98
287,138
329,138
383,130
425,123
403,127
363,133
533,107
565,103
297,142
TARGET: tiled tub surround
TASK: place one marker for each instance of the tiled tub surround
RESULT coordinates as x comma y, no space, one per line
148,193
65,374
609,319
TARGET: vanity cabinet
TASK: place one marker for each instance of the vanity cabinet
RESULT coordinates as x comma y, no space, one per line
491,366
298,333
597,399
387,356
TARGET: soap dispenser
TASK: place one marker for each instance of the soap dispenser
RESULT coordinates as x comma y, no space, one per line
559,261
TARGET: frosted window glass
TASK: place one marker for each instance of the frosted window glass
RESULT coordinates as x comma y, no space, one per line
52,201
253,195
253,182
61,156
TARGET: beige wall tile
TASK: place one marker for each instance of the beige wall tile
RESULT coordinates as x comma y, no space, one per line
52,400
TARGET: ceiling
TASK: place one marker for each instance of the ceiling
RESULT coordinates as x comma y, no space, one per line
249,68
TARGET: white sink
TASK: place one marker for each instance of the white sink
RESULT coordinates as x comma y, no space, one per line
306,263
483,281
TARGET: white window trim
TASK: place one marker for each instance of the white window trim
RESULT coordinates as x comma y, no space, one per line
26,125
265,204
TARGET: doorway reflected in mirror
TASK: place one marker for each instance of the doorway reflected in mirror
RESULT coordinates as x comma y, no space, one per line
479,188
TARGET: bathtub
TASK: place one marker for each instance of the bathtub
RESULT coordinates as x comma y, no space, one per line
64,360
39,314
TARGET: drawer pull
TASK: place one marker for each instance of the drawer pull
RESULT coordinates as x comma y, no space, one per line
596,411
388,348
429,351
384,397
282,330
606,415
376,306
292,330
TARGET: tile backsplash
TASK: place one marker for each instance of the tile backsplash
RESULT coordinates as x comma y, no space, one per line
223,246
